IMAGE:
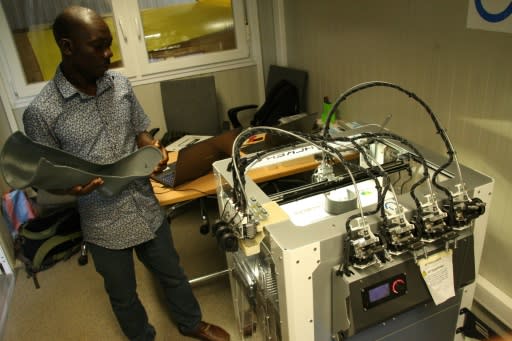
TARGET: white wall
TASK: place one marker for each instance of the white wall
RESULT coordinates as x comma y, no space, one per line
465,76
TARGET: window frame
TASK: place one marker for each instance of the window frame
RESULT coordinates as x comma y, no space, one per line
136,65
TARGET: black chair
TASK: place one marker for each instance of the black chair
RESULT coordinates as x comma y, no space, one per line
285,96
190,107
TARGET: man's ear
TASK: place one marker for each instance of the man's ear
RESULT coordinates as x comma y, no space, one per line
66,46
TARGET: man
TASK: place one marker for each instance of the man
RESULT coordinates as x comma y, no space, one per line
93,113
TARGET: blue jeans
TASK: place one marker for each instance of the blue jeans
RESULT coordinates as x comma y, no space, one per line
161,258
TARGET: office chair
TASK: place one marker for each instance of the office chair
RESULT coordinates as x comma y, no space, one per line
285,96
190,108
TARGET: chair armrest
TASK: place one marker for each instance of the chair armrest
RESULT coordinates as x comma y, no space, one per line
153,131
233,114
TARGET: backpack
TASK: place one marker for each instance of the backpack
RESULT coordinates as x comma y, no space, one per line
46,240
17,208
282,100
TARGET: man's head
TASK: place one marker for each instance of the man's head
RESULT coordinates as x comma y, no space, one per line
84,40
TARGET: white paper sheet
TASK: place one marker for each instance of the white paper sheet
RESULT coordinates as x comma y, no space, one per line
437,271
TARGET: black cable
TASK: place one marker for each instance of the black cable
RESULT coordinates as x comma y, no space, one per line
398,179
417,156
439,129
381,192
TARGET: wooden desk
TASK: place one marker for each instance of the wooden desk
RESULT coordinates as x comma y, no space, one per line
206,184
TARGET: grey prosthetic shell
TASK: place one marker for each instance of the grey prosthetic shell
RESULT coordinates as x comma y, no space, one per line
25,163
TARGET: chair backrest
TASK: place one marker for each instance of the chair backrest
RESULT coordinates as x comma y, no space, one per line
190,106
297,77
281,101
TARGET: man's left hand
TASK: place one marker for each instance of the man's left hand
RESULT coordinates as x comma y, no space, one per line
165,158
146,139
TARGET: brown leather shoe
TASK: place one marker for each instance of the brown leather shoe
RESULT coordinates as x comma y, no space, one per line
208,332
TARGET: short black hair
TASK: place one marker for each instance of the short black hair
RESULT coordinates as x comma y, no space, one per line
66,22
61,27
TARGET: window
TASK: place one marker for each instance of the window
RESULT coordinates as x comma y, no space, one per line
179,34
30,24
187,28
153,39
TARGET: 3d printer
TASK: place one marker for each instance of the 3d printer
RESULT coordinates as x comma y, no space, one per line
384,247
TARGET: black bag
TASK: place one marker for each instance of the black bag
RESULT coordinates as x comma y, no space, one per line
45,240
282,100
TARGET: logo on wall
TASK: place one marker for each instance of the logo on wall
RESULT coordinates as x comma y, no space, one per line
490,15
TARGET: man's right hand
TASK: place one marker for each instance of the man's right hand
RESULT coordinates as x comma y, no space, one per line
79,190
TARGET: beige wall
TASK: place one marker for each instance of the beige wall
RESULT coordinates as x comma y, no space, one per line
5,240
464,75
234,87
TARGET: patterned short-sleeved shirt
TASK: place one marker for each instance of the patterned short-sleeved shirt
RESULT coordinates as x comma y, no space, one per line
100,129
